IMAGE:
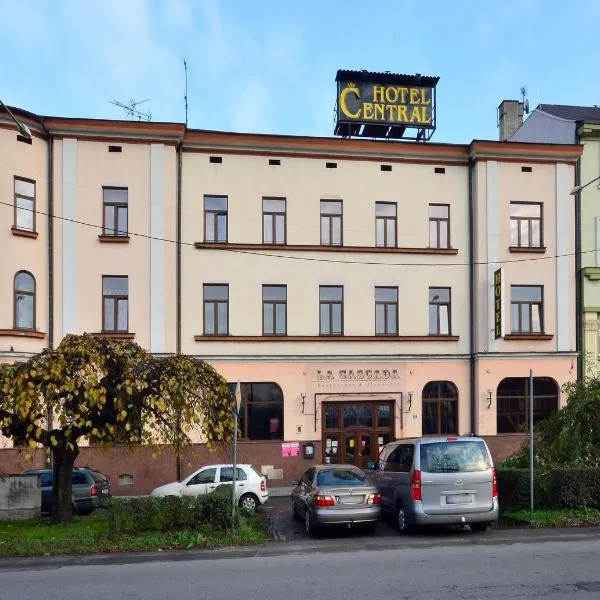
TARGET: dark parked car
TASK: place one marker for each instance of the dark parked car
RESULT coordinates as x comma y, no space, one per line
89,488
335,495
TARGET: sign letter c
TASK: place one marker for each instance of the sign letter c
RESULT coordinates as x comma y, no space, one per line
344,106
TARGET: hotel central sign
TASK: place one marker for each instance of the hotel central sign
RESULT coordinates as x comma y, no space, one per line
385,105
389,104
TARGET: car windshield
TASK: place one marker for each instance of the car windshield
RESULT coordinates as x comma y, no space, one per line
342,477
454,457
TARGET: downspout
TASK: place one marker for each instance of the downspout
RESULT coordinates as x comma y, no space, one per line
178,249
472,315
578,278
50,211
178,291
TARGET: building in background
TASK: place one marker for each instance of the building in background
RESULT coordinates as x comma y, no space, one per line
360,290
560,124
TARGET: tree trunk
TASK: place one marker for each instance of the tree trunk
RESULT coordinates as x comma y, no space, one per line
62,496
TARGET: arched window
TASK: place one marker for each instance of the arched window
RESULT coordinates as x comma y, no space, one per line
24,300
512,398
440,408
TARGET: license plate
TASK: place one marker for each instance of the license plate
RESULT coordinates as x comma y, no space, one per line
459,499
350,499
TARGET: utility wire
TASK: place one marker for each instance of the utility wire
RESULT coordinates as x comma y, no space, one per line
308,249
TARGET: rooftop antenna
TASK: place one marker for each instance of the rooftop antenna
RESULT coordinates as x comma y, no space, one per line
524,100
185,95
132,111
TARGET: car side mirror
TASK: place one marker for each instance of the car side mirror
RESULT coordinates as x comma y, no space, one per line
371,465
295,482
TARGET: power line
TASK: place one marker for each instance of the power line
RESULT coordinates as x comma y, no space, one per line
308,249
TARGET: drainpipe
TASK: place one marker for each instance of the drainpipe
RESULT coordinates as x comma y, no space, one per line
472,314
578,281
178,249
50,217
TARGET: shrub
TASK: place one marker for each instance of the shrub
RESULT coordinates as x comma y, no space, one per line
559,487
137,515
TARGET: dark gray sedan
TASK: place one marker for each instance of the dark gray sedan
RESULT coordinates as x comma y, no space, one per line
335,495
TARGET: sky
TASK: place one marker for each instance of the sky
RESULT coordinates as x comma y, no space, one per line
269,66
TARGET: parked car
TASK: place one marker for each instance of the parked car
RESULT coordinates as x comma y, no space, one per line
89,488
251,487
437,481
335,495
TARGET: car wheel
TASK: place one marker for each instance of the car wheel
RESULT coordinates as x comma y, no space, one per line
295,515
308,524
401,523
249,502
478,527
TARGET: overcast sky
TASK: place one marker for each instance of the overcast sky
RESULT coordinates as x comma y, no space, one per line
269,65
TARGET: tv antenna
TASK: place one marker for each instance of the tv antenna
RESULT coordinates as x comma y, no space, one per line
132,111
185,94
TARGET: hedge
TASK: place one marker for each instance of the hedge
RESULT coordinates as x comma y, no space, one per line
136,515
553,488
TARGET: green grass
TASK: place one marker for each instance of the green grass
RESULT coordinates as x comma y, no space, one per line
582,517
90,534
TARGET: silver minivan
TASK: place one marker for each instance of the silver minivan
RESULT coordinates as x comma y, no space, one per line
437,481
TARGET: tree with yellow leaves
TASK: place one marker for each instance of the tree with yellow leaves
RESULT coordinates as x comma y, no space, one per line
109,391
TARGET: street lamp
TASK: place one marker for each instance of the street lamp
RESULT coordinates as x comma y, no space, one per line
23,129
578,188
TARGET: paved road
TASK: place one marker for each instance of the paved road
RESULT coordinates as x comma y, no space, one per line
502,565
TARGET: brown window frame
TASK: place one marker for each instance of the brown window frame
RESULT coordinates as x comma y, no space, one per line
24,197
115,231
217,213
386,304
439,304
273,216
330,217
215,304
438,402
273,304
117,298
385,220
438,222
540,219
24,293
529,304
330,304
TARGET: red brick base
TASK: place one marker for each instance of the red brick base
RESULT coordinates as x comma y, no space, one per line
147,472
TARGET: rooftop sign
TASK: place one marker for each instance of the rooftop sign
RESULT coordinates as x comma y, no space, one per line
385,105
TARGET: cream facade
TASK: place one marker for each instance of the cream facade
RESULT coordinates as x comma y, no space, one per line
349,285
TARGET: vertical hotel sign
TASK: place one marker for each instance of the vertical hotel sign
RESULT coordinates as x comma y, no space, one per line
498,304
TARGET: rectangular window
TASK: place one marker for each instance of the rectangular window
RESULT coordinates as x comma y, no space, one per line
386,311
216,309
274,221
331,222
439,226
439,311
115,303
215,219
525,225
331,310
385,224
274,310
24,204
527,308
115,202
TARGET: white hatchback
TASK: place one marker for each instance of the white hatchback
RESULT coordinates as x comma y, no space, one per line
251,487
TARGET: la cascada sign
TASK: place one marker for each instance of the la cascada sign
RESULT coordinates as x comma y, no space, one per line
385,105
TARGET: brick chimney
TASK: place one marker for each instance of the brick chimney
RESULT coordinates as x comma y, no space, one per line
510,118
